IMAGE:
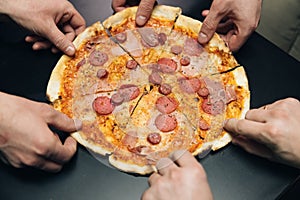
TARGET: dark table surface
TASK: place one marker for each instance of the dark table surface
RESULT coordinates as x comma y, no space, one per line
232,173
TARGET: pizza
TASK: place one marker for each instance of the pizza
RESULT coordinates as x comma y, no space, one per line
144,92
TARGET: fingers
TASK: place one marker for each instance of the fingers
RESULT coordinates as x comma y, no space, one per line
60,40
62,153
209,25
118,5
60,120
164,165
183,158
144,11
253,147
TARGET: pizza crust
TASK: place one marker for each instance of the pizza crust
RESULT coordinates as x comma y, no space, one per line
129,167
160,12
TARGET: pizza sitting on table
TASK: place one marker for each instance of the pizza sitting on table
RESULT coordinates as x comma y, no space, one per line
143,92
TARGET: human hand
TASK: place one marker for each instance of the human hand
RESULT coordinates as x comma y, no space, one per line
144,10
234,20
25,138
271,132
54,22
179,177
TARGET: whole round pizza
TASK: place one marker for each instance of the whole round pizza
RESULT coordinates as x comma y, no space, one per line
144,92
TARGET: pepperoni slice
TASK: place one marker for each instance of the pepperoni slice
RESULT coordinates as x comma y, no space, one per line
189,85
102,73
166,104
185,61
98,58
121,37
162,38
117,99
203,92
103,106
155,78
167,65
213,108
131,64
129,92
165,89
166,122
149,36
203,125
154,138
192,47
176,49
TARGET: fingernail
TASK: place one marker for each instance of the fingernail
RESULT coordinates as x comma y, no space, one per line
202,37
78,124
70,50
177,154
141,20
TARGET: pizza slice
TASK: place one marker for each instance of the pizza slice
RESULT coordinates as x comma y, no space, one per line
143,43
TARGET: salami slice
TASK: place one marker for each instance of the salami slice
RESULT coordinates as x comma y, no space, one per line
189,85
166,122
166,104
103,106
98,58
154,138
167,65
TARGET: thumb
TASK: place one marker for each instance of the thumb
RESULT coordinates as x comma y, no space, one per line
144,11
209,27
60,40
63,122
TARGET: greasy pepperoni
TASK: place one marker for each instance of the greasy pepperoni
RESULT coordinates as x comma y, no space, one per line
155,78
165,89
189,86
176,49
167,65
117,99
149,36
102,73
203,125
185,61
166,122
98,58
213,108
131,64
121,37
103,106
162,38
129,92
166,104
154,138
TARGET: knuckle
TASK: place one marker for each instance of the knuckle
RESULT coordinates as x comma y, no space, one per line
197,172
291,100
43,146
273,130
